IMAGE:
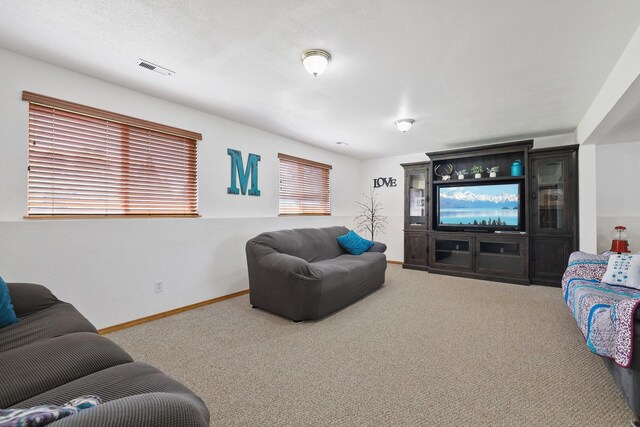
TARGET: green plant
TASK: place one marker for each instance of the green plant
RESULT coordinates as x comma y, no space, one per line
370,218
462,172
493,169
477,169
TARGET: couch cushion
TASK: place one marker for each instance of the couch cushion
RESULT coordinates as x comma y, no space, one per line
7,315
347,278
111,383
310,244
59,319
29,298
32,369
142,410
115,384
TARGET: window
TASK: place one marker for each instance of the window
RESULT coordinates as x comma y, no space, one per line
85,161
304,187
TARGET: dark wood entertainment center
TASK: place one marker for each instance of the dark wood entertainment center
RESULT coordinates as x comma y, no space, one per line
531,246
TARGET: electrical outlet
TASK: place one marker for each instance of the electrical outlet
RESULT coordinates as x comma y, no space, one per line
159,287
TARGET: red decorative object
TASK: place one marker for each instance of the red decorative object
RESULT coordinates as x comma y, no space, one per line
620,244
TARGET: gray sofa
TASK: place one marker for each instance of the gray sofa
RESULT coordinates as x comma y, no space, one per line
304,274
54,354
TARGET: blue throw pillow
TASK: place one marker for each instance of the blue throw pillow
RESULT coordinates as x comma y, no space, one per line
7,315
354,243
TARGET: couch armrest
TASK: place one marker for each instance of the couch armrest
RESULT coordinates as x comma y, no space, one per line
143,410
28,298
282,283
281,266
378,247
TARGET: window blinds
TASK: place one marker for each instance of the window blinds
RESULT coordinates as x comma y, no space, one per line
304,187
84,164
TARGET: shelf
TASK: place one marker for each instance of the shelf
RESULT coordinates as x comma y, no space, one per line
487,179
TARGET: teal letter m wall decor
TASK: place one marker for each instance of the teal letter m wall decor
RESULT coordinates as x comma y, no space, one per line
238,169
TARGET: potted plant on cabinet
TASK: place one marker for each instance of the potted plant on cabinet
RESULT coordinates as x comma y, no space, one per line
461,173
493,171
477,170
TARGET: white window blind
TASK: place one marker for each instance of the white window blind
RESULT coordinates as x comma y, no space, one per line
304,186
87,162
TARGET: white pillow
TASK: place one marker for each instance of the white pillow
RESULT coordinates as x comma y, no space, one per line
623,270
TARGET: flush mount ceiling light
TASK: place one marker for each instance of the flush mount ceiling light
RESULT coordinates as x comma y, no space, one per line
404,124
315,61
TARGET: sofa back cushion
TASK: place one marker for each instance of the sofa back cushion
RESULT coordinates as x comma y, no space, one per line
310,244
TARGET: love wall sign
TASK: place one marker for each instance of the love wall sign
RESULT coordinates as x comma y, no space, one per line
384,182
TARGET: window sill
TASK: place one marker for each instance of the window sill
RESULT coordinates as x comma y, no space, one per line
71,216
306,214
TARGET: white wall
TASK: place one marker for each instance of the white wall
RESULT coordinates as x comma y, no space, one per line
392,198
588,201
605,112
107,267
618,201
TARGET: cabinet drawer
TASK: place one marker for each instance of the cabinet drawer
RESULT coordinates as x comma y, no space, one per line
452,252
502,256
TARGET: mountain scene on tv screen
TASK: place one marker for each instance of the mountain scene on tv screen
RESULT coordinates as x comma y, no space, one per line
479,205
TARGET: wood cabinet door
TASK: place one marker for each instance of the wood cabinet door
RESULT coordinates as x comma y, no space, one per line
416,197
549,257
553,193
502,255
415,248
451,251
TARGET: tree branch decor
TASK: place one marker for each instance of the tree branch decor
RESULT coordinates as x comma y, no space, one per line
370,218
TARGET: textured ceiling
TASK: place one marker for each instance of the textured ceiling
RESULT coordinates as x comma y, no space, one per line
466,71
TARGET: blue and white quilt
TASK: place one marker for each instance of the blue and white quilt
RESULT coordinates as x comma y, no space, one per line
604,312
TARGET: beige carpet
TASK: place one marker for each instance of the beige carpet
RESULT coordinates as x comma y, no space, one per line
423,350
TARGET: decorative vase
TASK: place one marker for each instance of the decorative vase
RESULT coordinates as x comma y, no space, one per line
478,175
492,175
516,168
460,176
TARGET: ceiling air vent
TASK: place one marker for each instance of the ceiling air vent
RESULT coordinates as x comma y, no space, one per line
153,67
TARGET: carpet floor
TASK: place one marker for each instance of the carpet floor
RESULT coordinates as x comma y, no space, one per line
423,350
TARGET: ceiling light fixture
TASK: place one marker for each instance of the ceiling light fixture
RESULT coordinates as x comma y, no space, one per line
315,61
404,124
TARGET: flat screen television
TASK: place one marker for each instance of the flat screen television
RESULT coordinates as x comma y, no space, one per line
484,206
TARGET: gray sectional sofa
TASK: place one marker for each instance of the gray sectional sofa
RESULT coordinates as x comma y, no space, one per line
54,354
304,274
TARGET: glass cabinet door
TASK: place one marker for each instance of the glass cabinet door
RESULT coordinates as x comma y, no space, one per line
417,194
549,195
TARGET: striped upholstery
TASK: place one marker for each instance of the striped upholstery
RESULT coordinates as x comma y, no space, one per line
54,321
53,354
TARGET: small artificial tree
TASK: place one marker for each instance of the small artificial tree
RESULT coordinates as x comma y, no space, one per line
370,218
